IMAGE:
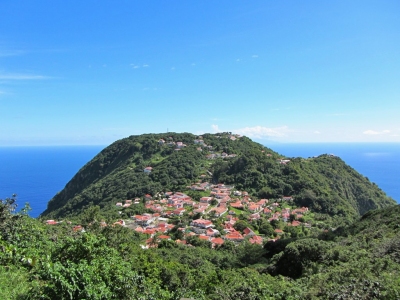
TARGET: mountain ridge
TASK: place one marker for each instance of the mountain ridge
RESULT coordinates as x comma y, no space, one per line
324,183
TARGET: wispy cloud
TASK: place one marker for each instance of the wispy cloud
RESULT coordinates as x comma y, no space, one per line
6,53
215,128
135,66
317,132
17,76
254,56
261,132
257,132
374,132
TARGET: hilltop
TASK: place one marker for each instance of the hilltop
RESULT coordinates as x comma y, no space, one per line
158,163
218,216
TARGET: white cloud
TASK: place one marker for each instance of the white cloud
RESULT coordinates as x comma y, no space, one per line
317,132
145,66
374,132
255,56
5,53
215,128
261,132
16,76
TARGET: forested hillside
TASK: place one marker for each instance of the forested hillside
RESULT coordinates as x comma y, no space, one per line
171,216
325,184
40,261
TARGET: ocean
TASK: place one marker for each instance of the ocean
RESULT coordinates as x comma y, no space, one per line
36,174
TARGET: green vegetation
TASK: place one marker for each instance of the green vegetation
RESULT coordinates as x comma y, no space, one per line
325,184
352,251
40,261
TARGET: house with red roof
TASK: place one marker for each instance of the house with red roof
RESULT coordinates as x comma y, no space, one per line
139,229
219,211
217,242
211,232
202,223
294,223
263,202
254,207
255,216
120,223
237,205
200,210
248,232
78,228
234,237
267,211
204,237
179,211
206,199
256,239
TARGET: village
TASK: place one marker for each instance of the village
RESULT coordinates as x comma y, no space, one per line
214,216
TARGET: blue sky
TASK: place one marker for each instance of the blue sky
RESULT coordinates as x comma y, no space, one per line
92,72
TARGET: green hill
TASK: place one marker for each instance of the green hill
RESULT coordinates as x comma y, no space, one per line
325,184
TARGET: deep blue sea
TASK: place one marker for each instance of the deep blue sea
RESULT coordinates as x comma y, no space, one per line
36,174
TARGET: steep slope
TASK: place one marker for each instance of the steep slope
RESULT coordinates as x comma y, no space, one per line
360,261
325,184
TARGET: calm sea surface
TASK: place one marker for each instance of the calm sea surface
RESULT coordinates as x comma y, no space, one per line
36,174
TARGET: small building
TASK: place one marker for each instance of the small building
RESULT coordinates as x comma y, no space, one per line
147,170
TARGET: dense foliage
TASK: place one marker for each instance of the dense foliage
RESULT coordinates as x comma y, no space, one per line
325,184
40,261
344,256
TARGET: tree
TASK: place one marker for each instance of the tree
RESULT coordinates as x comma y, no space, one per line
266,228
241,225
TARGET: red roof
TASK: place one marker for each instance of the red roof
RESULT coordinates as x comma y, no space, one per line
204,237
217,241
256,240
164,237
